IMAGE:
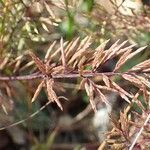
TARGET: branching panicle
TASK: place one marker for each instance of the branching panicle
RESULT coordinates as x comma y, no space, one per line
75,58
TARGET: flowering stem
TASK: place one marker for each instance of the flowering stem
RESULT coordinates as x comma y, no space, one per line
58,76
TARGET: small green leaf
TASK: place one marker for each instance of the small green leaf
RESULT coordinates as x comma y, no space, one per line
87,5
67,27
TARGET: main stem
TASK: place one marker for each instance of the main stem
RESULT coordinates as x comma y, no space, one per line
58,76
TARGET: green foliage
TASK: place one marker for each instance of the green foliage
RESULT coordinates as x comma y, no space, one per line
87,5
67,27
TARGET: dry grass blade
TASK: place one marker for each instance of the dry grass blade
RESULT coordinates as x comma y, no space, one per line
59,5
134,100
143,80
58,50
115,50
101,46
122,92
139,104
140,132
48,67
126,56
106,88
112,51
49,84
45,27
123,50
47,56
106,80
122,60
38,62
135,53
132,79
85,43
49,10
124,125
8,90
98,54
138,83
90,94
12,62
70,49
29,64
4,109
80,64
118,146
51,93
113,46
18,63
108,53
146,75
62,54
146,70
4,62
116,125
68,46
38,90
145,93
3,104
81,85
141,66
45,20
83,60
58,69
102,97
87,88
